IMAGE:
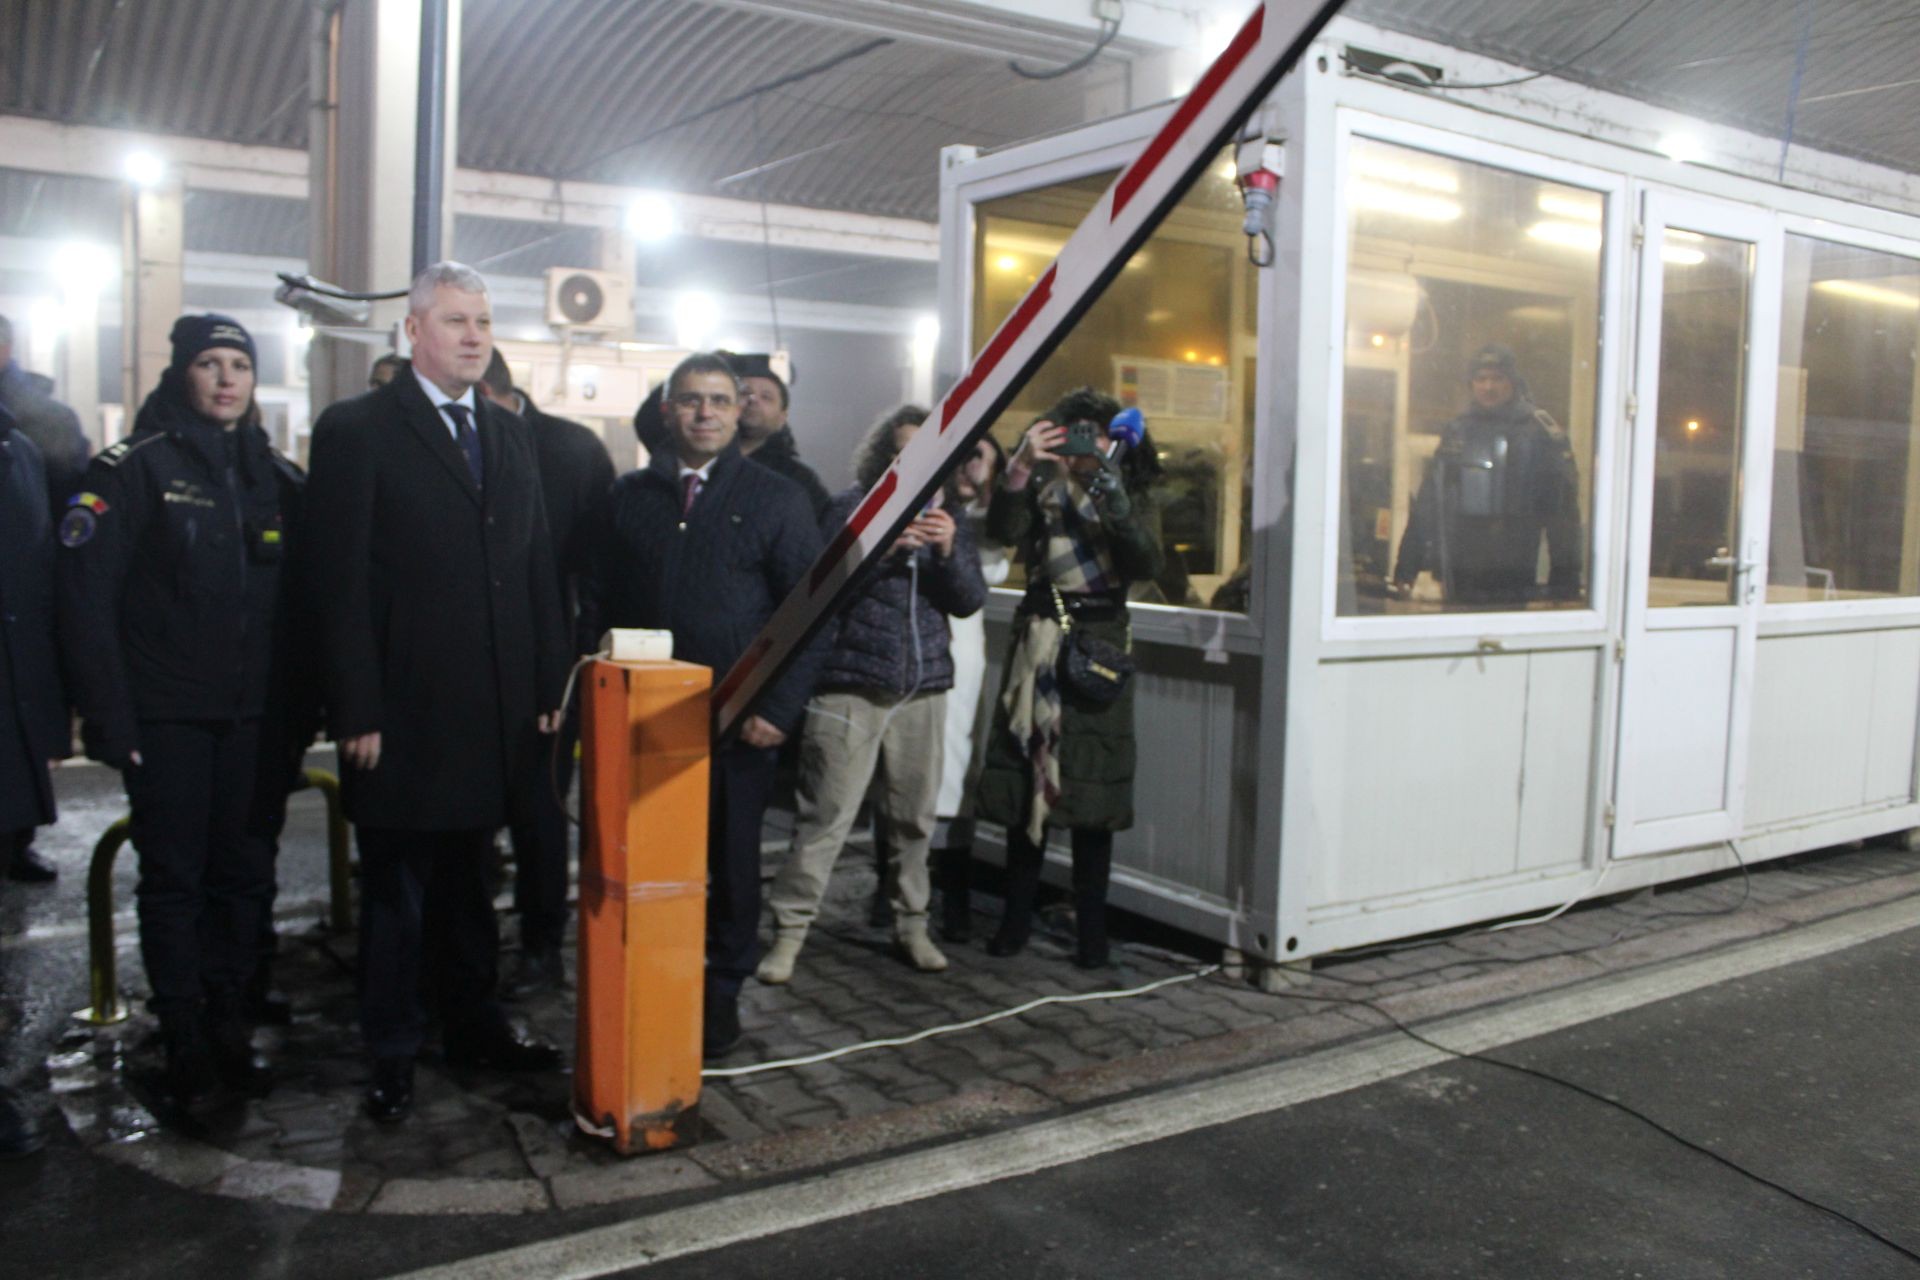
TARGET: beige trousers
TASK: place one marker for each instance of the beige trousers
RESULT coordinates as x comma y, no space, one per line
848,736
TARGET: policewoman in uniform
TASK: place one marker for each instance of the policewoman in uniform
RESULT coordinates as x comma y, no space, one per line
170,566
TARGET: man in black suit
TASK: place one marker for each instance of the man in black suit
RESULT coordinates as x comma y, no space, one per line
443,651
706,544
575,474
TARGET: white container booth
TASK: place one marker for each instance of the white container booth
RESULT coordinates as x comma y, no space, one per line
1710,648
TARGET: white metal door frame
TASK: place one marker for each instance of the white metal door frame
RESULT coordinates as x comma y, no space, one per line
1660,209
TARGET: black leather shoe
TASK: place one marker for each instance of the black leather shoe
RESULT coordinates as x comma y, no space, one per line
501,1050
1004,944
29,866
20,1133
190,1072
390,1095
720,1027
539,972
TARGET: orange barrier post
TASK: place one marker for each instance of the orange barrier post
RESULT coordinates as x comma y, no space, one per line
647,734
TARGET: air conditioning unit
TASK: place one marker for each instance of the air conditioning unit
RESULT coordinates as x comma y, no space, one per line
589,301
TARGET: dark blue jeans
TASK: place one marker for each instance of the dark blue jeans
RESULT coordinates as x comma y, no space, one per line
742,786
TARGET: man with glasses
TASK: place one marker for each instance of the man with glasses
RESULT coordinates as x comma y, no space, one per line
705,543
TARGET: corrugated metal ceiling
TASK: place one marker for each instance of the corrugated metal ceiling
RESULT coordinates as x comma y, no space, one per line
637,90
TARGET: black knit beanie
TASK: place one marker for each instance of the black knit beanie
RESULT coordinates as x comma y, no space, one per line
194,334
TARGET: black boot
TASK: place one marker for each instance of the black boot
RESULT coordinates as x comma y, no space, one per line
1092,867
191,1074
1023,883
955,869
230,1040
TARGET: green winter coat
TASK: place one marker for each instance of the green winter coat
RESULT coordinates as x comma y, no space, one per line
1096,743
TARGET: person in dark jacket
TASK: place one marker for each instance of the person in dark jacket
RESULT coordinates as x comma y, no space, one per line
1086,528
33,715
575,475
169,579
1502,477
443,650
879,705
765,435
33,711
706,544
53,427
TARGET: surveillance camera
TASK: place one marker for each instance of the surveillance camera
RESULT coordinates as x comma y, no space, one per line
298,292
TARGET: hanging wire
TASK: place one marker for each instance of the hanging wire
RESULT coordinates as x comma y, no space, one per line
1109,28
1558,67
1793,95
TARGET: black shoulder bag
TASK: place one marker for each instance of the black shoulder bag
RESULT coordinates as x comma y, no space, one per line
1089,668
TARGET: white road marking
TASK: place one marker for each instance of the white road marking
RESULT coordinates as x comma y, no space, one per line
897,1180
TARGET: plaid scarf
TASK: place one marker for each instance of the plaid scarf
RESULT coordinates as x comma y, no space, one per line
1076,561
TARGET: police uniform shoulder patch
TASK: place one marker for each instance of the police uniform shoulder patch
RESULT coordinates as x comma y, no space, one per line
77,526
115,454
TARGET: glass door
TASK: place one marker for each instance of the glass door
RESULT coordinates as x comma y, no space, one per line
1701,422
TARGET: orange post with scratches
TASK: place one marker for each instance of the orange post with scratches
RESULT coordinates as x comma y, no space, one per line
646,730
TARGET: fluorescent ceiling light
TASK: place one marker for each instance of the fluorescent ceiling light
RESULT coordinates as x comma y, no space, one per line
1372,164
1879,295
1376,198
1683,148
1014,242
144,168
1569,235
1579,208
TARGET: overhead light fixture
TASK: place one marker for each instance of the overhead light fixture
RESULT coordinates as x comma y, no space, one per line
1879,295
1683,148
1375,198
1568,235
144,168
651,218
1580,209
1007,262
1372,164
696,316
1693,425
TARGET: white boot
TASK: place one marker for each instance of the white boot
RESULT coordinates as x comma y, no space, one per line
919,951
776,968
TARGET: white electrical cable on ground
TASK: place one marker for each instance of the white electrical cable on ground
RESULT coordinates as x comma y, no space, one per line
712,1073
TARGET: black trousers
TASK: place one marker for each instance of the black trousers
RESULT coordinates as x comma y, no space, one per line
540,839
205,889
426,922
742,786
1092,869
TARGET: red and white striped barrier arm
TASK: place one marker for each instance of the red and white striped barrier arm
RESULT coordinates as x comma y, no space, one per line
1265,49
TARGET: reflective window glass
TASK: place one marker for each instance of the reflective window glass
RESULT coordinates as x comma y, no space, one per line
1472,349
1174,335
1846,469
1696,463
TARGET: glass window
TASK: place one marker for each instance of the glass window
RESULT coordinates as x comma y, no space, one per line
1696,460
1846,472
1173,334
1472,346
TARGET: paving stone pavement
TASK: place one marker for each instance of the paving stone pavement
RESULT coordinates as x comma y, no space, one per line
481,1142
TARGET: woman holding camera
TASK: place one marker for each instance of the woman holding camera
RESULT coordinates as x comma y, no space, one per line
1075,505
170,569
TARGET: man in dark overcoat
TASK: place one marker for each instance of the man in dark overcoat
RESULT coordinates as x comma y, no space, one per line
706,544
442,646
575,474
33,715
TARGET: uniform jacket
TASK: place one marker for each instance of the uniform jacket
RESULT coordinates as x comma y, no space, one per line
575,474
170,569
780,454
53,427
872,646
712,579
1097,747
33,714
1498,480
439,615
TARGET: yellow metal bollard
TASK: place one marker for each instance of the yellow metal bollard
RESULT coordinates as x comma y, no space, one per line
103,978
647,738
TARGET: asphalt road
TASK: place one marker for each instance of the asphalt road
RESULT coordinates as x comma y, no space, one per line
1804,1074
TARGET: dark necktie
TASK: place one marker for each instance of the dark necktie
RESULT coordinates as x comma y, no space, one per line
689,490
468,437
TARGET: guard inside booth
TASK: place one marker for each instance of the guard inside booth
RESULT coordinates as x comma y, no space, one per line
1501,482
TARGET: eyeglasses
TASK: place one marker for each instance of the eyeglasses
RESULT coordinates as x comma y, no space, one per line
692,400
